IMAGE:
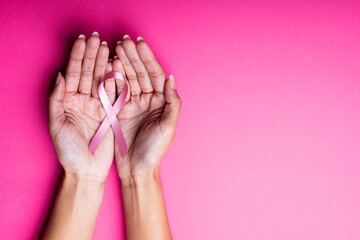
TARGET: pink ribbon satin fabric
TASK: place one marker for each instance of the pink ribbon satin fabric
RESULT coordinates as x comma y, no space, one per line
111,112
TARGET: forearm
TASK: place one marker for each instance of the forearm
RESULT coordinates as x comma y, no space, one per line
76,208
144,208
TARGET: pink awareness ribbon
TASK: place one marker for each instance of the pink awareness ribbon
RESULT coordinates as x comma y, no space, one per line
111,112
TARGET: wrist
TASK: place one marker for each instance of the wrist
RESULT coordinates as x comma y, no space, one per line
143,179
84,182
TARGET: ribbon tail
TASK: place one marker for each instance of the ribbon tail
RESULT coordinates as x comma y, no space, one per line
99,135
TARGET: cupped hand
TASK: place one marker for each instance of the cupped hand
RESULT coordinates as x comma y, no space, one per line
75,111
149,116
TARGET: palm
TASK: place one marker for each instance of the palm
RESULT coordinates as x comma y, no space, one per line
83,116
140,119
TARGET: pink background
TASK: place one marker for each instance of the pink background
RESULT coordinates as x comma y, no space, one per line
268,143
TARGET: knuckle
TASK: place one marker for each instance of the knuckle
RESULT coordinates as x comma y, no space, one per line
150,59
127,64
135,93
157,74
134,59
101,64
87,72
73,73
75,59
142,74
89,58
131,77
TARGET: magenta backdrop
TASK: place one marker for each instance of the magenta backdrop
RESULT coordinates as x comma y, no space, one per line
268,142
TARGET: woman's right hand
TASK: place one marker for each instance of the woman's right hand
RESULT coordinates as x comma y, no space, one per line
75,111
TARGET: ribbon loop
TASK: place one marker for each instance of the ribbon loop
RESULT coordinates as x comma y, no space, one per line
111,118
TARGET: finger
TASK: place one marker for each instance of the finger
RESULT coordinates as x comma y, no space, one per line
155,71
118,67
73,69
56,108
173,105
141,73
110,84
87,69
135,89
100,67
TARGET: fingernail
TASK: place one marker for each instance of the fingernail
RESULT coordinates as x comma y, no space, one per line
172,82
104,43
118,42
95,34
139,39
115,57
110,60
126,36
82,36
58,79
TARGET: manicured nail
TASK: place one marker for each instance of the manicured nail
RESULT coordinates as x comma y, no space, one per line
126,36
172,82
82,36
139,39
104,43
115,57
58,79
110,60
119,42
95,34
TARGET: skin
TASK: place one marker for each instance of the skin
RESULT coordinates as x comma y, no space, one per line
148,119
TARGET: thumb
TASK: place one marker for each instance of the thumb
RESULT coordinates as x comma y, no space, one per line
173,104
56,108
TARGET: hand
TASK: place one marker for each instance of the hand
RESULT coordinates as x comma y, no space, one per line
149,116
75,111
